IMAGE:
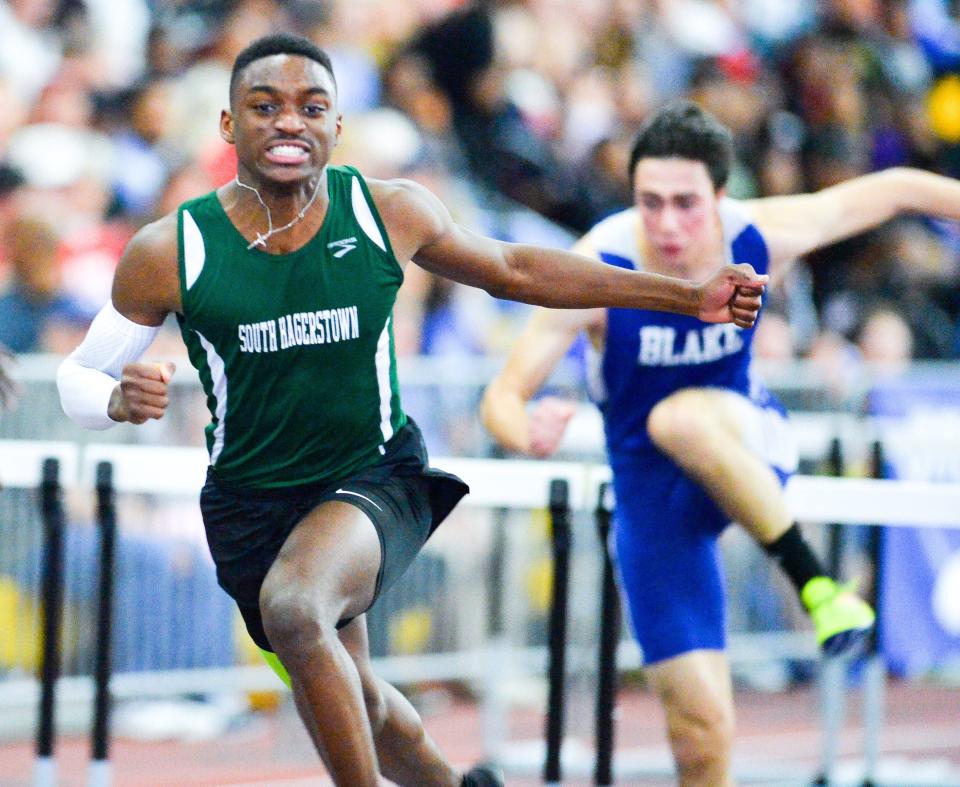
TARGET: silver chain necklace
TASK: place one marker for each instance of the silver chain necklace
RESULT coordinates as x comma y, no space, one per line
261,239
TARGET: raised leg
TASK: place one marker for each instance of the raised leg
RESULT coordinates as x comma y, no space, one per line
700,429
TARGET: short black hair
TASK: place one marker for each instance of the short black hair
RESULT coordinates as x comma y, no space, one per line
279,44
682,129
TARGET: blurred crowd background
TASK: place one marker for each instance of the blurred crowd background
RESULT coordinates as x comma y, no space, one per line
518,114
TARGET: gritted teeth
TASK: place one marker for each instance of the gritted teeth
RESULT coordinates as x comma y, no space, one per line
284,149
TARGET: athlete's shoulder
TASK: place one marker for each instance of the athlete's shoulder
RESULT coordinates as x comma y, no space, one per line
735,218
404,203
147,280
156,239
394,187
616,235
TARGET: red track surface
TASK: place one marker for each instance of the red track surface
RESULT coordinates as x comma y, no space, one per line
921,730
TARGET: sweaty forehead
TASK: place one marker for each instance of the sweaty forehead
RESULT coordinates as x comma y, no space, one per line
673,175
285,72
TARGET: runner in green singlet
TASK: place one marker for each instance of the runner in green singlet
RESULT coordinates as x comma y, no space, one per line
319,492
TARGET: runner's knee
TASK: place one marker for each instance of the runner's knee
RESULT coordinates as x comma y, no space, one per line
679,422
701,739
294,622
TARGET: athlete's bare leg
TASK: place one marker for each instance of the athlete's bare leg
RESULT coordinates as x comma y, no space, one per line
407,755
699,429
326,571
703,431
695,691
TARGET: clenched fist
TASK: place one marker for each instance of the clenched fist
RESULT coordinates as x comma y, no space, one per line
732,294
548,421
142,393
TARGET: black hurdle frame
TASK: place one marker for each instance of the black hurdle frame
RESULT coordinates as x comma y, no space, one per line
610,617
556,671
836,535
107,520
52,581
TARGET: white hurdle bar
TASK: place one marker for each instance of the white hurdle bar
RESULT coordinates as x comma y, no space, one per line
21,463
504,483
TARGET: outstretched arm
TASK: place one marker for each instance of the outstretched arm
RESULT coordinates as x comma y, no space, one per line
794,226
102,382
421,229
535,354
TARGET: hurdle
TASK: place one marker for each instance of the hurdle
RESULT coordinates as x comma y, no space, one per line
875,501
495,483
823,500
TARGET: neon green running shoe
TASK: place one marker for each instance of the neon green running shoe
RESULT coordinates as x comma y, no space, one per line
841,619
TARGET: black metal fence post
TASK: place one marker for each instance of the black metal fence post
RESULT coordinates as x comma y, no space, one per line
560,521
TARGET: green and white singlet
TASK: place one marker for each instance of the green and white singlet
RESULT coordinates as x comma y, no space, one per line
295,351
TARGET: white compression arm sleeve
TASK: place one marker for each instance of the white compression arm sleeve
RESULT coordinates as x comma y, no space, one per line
87,376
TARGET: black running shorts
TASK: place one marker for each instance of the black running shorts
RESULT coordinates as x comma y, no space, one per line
404,498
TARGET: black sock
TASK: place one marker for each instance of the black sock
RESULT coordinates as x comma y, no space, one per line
795,557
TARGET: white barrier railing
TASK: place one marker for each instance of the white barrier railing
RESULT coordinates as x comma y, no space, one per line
494,483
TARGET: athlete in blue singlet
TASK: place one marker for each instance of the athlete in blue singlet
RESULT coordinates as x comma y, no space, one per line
646,358
693,441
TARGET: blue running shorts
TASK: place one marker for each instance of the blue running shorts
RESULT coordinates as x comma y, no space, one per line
665,538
